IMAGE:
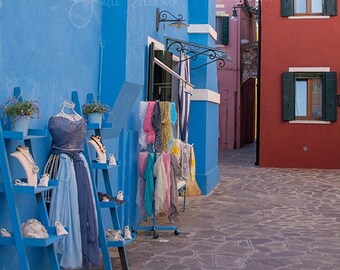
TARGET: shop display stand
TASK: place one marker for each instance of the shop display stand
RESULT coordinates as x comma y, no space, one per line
111,205
154,227
8,190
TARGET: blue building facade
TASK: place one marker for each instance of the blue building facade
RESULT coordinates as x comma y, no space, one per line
101,47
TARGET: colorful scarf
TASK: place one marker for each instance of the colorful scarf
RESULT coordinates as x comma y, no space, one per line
148,127
166,125
157,126
143,106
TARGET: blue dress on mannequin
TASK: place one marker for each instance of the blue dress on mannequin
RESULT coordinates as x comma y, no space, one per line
72,201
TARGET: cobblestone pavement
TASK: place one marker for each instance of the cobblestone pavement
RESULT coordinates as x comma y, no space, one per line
256,218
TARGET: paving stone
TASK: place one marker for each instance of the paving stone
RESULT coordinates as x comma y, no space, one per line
255,219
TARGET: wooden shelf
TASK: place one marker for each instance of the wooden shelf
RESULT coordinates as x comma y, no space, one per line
121,243
112,204
31,134
102,166
32,190
37,242
96,126
7,240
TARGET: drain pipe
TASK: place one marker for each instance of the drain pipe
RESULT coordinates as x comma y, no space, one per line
258,88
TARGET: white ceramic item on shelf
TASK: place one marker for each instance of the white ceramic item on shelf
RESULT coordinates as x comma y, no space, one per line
44,179
60,229
112,160
120,195
5,233
18,182
127,233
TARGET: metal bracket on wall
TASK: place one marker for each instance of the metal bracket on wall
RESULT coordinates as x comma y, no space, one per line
194,50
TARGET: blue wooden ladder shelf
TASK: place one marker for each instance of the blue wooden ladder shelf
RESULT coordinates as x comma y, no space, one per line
111,205
8,190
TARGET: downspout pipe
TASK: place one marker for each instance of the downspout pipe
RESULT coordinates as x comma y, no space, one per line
258,89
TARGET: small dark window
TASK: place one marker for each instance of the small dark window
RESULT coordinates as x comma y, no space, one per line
222,29
159,82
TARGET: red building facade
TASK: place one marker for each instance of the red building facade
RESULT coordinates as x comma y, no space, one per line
300,65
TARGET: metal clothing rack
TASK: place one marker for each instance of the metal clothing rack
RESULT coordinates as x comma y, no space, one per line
154,227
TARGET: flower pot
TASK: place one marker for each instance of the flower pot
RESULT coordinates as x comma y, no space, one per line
20,124
95,118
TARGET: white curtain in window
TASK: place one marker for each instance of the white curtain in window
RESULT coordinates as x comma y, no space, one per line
300,6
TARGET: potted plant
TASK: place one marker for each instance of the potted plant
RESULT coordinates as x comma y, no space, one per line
94,112
20,112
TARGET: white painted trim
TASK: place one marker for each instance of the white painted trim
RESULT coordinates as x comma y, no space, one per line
221,13
158,45
161,46
313,122
202,29
220,6
205,95
308,17
309,69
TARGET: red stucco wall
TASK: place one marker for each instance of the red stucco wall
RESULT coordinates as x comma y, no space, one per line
296,43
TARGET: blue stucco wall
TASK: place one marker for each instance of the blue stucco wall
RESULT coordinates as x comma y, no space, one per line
48,48
138,29
204,114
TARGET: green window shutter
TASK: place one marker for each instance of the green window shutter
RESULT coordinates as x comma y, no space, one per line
330,7
162,78
225,30
329,96
288,96
287,8
150,68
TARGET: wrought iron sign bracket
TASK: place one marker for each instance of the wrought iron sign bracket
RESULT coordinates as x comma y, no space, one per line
194,50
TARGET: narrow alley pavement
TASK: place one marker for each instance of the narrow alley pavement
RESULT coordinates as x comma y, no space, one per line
256,219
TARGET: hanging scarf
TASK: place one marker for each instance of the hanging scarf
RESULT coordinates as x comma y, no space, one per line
176,149
185,160
143,157
173,119
149,185
157,124
167,167
175,172
143,106
161,184
192,163
166,125
148,127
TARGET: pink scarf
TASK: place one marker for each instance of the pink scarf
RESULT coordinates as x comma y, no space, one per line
143,157
150,132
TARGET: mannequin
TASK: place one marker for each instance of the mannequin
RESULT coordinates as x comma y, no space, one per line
96,142
24,156
71,114
72,203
